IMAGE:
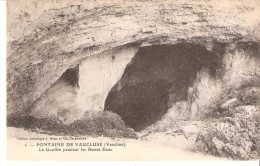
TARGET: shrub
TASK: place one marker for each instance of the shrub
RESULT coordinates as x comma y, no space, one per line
240,69
236,136
100,123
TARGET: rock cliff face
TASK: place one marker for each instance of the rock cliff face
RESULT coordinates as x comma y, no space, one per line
91,36
84,87
99,73
60,99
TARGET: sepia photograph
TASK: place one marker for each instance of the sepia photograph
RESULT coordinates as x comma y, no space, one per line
133,80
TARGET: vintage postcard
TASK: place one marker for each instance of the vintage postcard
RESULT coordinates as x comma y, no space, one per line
133,80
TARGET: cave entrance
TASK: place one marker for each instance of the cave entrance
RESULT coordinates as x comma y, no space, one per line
71,76
59,99
156,78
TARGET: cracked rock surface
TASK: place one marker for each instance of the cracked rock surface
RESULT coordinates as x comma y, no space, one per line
42,46
235,134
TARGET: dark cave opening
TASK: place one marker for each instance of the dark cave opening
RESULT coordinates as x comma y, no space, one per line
71,76
156,78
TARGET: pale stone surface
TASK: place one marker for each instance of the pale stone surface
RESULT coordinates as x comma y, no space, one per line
190,129
99,74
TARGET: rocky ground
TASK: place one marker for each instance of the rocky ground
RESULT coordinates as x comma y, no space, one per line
232,132
236,133
155,146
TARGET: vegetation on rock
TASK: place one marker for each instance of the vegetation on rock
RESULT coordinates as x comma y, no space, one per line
91,124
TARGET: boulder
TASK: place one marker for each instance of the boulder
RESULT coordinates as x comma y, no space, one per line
190,129
252,96
247,111
230,104
236,136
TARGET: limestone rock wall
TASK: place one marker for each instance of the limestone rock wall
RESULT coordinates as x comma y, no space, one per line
43,44
97,76
59,101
